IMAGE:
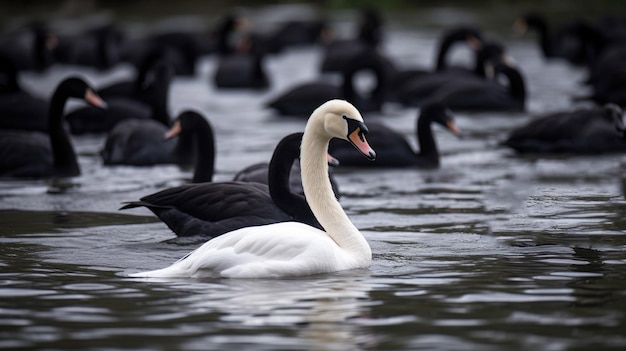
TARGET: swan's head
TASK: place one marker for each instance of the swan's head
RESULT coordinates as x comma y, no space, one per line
439,113
77,88
342,120
520,27
529,20
470,34
159,73
186,122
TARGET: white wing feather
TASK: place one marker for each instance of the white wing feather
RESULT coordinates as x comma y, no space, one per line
280,249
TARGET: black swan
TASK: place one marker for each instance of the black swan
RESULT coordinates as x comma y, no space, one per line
97,47
241,70
414,91
338,54
392,148
32,154
88,119
468,34
302,99
296,33
145,143
144,87
211,209
480,95
591,130
576,41
607,77
30,47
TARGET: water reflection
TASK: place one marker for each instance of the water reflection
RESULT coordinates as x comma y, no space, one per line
592,288
324,313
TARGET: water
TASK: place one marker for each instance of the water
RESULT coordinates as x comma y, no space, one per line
492,251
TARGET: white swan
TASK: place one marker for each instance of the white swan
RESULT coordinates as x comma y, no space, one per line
292,248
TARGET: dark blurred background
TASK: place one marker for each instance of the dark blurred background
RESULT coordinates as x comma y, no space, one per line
496,11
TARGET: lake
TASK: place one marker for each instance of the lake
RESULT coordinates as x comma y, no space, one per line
492,251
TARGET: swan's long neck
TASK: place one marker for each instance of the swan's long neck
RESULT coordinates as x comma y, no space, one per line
442,53
319,193
517,87
205,153
63,154
425,138
545,37
159,93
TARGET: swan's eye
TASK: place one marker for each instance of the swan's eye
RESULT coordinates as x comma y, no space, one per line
356,126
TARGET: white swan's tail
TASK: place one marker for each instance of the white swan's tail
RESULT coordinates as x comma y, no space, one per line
173,271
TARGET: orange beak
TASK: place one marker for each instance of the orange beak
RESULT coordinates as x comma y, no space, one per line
93,99
174,130
357,138
453,128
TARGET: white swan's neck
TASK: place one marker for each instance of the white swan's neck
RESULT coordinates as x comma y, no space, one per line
319,193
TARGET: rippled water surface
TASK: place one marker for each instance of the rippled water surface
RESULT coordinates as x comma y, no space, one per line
492,251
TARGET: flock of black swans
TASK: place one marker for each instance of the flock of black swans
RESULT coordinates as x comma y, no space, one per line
136,127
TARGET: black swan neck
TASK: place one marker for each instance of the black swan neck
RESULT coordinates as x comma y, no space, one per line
374,100
449,39
160,94
204,148
545,37
427,144
146,66
517,87
285,153
64,156
442,52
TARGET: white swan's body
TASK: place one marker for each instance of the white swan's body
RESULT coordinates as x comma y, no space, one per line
293,248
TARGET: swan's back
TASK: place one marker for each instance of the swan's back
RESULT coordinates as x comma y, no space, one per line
473,94
25,154
274,250
137,142
584,130
303,99
213,209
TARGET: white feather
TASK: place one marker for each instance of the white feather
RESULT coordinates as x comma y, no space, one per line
274,250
